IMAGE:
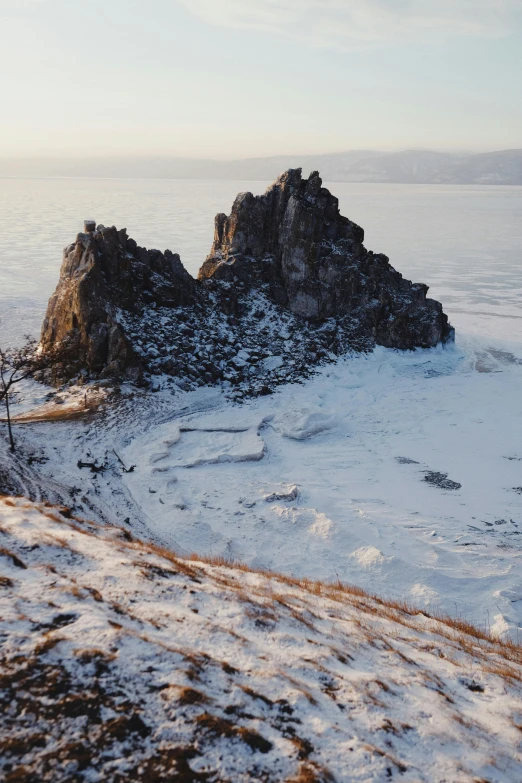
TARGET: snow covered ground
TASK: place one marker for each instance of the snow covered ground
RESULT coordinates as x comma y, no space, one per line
398,472
408,469
123,662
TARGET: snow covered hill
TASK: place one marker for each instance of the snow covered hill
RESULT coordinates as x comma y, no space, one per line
122,662
410,166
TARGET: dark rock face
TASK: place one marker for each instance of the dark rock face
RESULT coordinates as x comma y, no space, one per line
104,272
288,285
294,240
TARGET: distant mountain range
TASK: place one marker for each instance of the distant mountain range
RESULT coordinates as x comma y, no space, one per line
410,166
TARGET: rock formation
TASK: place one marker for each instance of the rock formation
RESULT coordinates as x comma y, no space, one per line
288,285
104,272
294,239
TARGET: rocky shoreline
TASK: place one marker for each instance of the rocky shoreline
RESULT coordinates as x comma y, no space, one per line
288,285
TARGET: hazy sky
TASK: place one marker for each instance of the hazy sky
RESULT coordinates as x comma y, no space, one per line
235,78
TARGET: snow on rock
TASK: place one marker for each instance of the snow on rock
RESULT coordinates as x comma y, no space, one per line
499,626
121,661
302,424
207,448
514,594
273,362
199,440
368,556
285,492
305,523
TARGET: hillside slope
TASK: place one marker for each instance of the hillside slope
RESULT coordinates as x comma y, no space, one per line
123,662
415,166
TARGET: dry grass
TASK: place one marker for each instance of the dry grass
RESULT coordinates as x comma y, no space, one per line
216,726
15,560
228,668
189,696
182,564
309,772
73,590
463,635
47,644
58,414
303,746
299,687
364,619
95,593
462,721
505,671
386,754
255,695
94,654
50,411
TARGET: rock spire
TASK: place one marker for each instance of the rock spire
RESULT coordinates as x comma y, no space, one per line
313,259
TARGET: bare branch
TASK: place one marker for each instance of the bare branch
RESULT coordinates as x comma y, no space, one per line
23,363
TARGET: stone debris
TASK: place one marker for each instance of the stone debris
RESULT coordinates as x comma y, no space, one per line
291,494
441,480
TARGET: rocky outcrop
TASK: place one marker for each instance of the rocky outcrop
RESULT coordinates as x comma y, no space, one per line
103,273
294,239
288,285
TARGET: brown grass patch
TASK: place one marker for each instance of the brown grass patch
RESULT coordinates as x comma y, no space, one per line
94,654
228,668
304,747
55,413
220,727
505,671
47,644
191,696
385,754
299,687
309,772
12,557
255,695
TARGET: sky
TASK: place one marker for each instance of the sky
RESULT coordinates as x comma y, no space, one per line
240,78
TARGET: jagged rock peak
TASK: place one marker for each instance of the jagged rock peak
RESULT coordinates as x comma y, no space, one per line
294,239
286,262
104,271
